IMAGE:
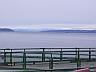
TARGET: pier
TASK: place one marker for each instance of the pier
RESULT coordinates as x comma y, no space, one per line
47,59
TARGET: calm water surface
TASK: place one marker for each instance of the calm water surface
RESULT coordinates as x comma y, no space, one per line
39,40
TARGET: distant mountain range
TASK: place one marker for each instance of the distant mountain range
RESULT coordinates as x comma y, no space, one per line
49,30
6,30
72,31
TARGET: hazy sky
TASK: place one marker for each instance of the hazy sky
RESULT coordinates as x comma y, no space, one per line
54,12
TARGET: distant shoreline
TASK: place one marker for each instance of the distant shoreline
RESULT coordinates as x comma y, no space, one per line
47,30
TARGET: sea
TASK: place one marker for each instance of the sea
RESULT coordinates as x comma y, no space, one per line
47,40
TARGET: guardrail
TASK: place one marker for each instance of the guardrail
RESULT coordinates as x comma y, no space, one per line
26,56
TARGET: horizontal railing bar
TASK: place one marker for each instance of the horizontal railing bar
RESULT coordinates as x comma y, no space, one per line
47,57
44,51
41,48
49,53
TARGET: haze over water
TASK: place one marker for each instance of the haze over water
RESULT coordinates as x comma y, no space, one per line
47,40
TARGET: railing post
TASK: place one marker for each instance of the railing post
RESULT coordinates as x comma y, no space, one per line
61,55
43,55
24,59
76,55
51,63
4,56
11,57
76,52
78,59
89,54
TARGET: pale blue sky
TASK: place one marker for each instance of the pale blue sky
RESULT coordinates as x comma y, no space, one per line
29,12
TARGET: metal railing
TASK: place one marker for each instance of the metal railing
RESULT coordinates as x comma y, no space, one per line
23,57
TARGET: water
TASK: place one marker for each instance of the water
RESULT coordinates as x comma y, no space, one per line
47,40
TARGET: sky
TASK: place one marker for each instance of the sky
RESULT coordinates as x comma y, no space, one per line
48,14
